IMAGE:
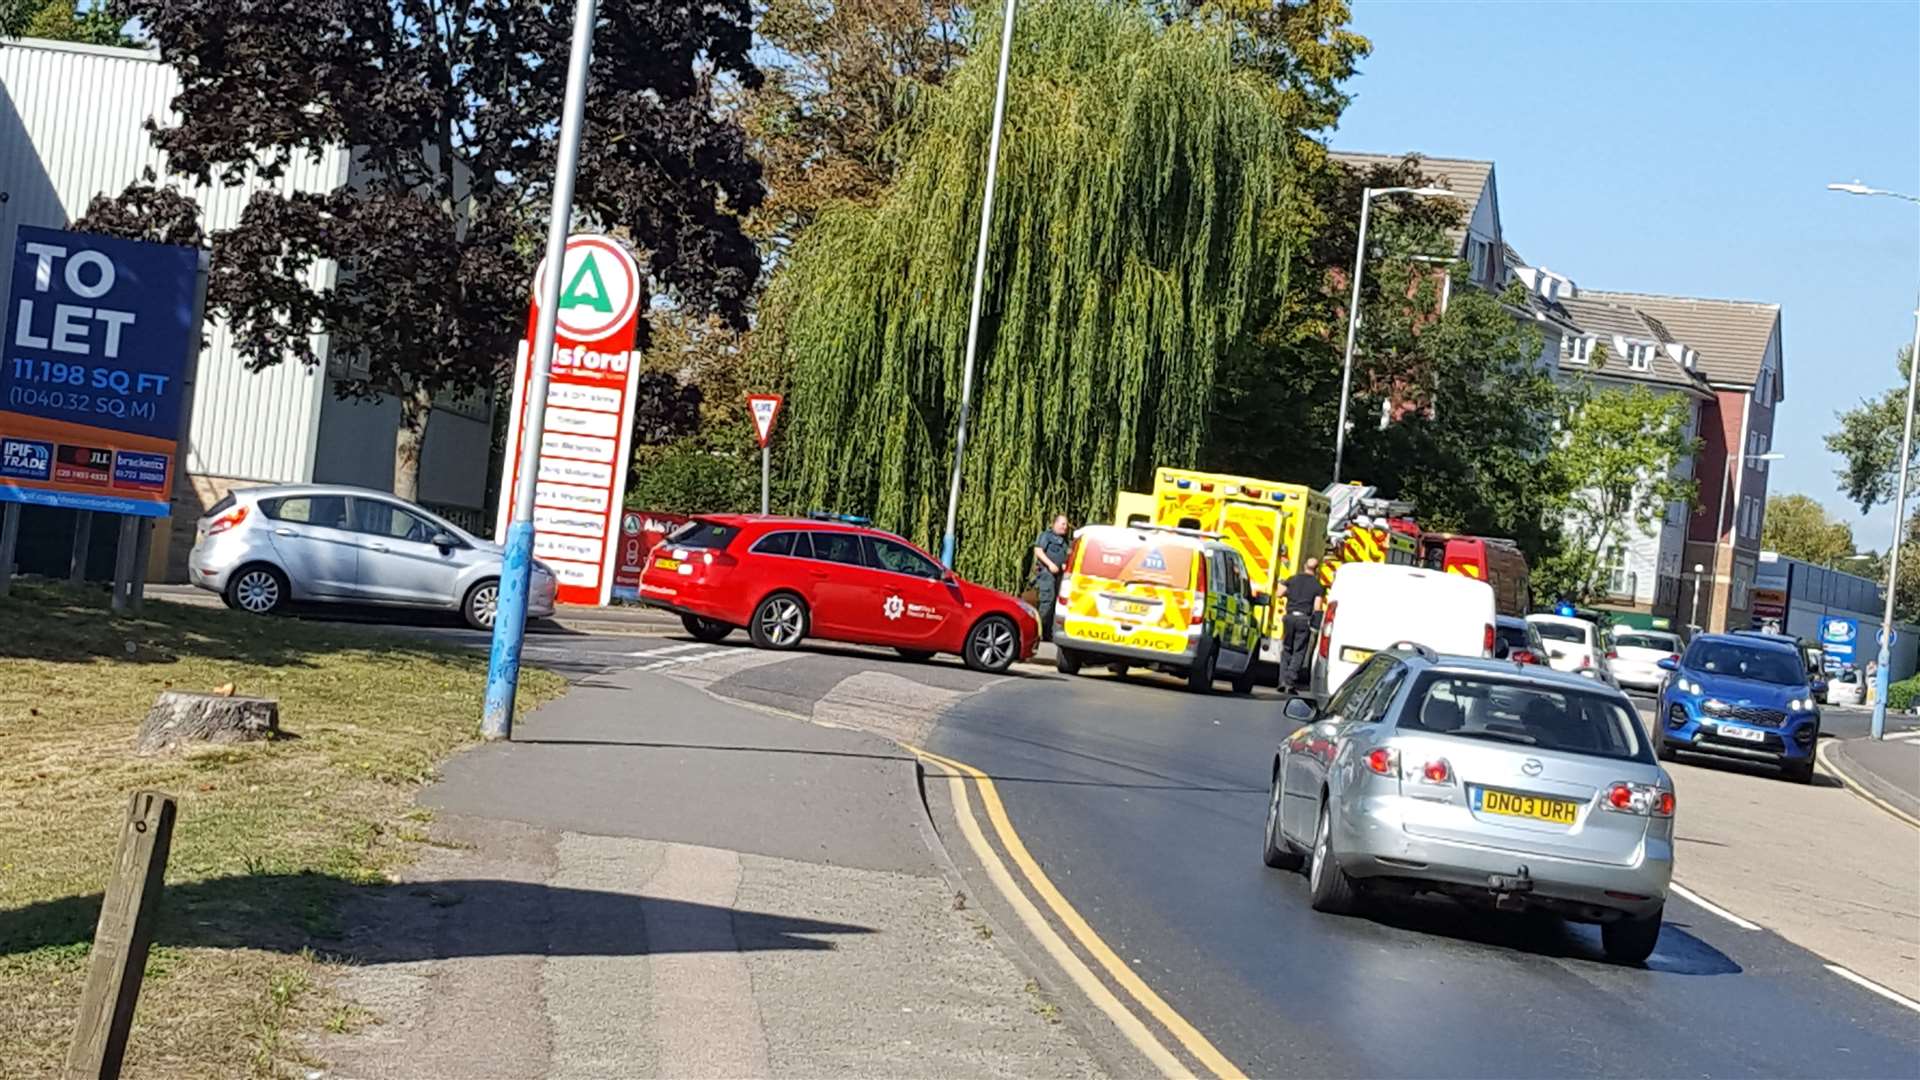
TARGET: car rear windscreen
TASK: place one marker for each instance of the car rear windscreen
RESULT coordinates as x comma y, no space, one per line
1646,641
1523,714
709,535
1554,631
1131,560
1513,637
1747,662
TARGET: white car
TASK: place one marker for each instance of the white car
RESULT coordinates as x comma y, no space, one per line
1637,656
1849,687
1577,646
1374,606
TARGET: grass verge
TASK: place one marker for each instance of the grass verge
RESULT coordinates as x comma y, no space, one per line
271,837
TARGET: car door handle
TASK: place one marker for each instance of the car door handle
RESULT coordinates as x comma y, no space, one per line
376,547
285,532
818,575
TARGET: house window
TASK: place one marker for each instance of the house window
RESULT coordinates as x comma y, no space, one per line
1639,356
1480,258
1575,350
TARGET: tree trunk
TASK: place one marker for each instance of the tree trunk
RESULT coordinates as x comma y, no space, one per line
179,717
1599,552
416,408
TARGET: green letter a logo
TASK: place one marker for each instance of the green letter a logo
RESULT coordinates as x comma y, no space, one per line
595,295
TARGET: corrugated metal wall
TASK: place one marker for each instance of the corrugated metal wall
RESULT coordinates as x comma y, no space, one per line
70,129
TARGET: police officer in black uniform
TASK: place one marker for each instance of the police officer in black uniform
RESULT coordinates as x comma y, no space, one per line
1305,598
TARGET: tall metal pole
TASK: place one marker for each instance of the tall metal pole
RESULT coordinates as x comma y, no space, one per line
1880,678
765,472
1353,327
979,285
510,613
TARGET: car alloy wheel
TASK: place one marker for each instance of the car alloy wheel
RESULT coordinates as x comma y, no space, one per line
484,605
781,621
257,591
991,645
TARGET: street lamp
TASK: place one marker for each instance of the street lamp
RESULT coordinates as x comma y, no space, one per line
1367,196
979,285
1698,569
1880,677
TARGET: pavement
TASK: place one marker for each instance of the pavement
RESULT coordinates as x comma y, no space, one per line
1883,771
663,876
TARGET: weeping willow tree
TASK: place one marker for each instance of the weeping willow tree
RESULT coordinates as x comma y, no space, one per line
1135,236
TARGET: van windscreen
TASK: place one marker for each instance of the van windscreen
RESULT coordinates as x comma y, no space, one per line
1132,560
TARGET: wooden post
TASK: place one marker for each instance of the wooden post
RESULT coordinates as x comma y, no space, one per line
121,941
123,554
9,543
82,539
142,553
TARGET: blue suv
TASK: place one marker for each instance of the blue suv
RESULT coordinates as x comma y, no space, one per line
1740,696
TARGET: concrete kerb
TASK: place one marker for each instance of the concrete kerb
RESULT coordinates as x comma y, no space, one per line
1832,755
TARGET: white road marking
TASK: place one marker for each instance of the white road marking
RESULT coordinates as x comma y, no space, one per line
1914,734
1869,984
1697,900
669,649
690,658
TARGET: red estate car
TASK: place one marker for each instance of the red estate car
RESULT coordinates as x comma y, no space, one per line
786,579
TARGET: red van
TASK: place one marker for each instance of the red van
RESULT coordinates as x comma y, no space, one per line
1490,559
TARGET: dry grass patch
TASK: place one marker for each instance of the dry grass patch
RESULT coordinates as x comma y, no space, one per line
271,836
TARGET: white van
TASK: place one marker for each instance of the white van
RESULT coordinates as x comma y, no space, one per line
1374,606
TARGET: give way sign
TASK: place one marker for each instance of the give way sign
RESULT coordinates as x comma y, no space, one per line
765,407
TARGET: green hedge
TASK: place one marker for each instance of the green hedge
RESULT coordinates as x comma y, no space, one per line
1900,695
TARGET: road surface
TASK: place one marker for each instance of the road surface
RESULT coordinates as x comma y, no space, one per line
1144,804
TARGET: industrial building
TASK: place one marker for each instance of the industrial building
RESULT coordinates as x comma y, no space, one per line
1840,611
60,148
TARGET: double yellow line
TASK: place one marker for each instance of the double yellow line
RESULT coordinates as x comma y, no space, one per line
1153,1005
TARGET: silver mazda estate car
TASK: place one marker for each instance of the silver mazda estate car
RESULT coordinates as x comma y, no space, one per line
261,548
1495,783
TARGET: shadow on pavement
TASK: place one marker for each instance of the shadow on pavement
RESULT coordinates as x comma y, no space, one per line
1678,953
428,920
640,744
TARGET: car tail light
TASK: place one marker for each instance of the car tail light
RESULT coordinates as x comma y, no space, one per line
1586,661
1198,610
1384,761
227,520
1675,657
1642,799
1326,628
1486,641
1524,656
1437,772
1613,654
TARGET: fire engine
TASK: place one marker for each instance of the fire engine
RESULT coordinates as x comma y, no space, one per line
1363,528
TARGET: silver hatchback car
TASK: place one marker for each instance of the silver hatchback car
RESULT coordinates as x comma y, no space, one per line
1496,783
262,548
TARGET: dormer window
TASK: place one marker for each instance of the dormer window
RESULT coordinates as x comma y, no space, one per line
1575,350
1639,356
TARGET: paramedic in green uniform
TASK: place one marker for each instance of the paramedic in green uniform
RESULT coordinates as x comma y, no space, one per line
1049,560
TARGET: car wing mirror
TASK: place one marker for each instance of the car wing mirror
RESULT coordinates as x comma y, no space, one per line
1300,710
445,541
1668,663
949,578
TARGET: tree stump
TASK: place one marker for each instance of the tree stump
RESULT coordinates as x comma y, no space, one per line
178,717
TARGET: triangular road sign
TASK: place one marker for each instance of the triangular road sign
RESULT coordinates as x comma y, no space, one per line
765,407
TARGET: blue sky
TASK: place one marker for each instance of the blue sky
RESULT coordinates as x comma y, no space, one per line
1686,148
